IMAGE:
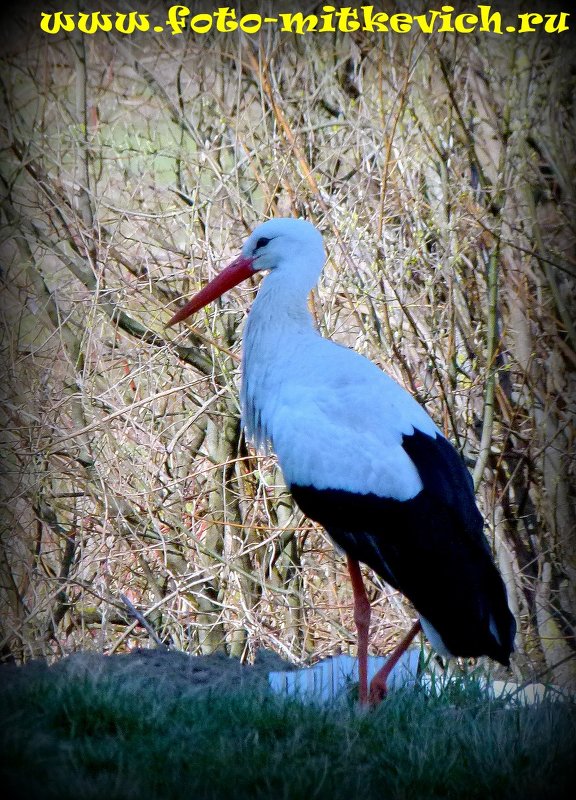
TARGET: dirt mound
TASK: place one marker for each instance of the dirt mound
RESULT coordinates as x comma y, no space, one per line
169,669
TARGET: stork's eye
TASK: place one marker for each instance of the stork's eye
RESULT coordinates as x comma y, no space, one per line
262,242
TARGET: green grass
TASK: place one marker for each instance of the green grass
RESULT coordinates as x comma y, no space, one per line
103,738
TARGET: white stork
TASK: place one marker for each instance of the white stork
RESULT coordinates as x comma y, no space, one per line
362,458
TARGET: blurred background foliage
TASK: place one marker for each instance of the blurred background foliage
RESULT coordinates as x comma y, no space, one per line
440,169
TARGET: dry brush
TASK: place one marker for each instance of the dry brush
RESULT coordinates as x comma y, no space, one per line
441,172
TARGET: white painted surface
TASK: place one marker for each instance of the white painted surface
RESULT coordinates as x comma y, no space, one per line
330,679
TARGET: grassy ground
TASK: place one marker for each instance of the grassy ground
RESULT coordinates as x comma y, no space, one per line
112,737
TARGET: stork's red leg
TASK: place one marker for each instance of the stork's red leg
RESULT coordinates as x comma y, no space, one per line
362,613
378,688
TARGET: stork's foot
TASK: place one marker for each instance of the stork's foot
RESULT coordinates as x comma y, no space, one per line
378,690
378,684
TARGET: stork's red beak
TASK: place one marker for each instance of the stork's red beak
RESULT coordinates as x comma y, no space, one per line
235,273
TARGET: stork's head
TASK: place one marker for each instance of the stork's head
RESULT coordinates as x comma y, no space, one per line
278,243
292,247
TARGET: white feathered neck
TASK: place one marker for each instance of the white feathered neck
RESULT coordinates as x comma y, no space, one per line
278,331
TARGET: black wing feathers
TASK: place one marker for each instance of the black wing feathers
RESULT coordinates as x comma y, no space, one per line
431,548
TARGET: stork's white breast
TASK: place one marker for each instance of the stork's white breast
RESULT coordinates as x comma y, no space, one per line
335,420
